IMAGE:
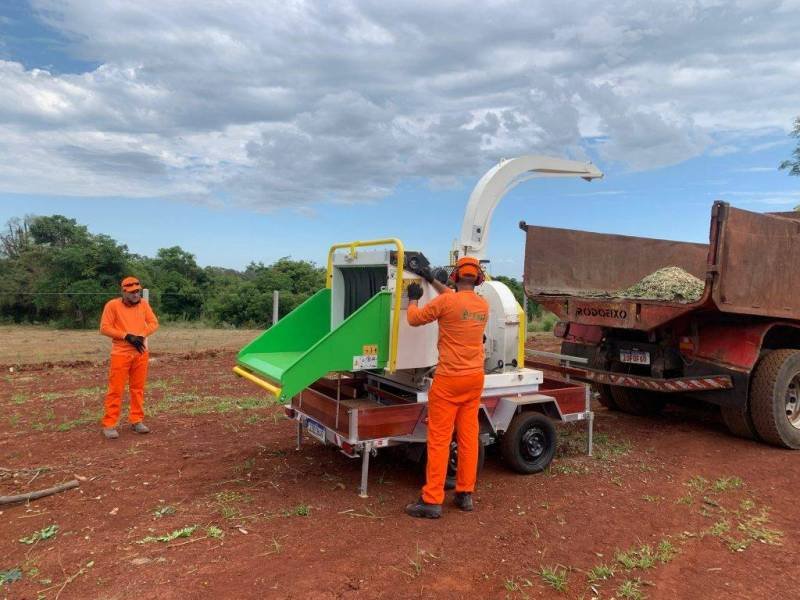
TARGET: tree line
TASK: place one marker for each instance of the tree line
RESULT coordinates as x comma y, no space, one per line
54,271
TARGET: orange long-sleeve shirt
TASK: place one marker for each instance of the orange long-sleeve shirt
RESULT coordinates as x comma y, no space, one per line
462,317
120,319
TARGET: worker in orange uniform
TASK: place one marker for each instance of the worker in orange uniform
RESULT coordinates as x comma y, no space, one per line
455,395
128,321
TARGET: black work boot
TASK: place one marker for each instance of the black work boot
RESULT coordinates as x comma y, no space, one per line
463,500
423,510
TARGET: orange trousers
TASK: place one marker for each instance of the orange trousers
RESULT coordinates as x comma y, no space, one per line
453,401
130,369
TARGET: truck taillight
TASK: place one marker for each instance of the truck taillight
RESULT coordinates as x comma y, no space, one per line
687,346
561,329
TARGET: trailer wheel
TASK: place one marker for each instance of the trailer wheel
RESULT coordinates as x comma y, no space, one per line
530,443
604,396
637,402
775,398
452,464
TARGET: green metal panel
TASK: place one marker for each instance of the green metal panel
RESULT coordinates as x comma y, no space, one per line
369,325
297,331
301,348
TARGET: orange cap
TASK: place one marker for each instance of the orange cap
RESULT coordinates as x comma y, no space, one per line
131,284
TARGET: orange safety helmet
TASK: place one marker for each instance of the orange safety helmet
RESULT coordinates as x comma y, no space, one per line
468,265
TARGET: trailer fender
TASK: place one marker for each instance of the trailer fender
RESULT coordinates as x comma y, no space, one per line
509,407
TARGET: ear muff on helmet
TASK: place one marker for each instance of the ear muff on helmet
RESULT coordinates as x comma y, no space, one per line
468,261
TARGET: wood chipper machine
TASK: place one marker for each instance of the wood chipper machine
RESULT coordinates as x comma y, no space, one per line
353,374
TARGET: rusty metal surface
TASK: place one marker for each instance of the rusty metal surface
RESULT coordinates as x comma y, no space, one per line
565,262
758,259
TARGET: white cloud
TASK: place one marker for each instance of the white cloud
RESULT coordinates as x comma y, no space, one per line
268,104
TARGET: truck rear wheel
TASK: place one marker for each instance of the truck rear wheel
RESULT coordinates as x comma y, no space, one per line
775,398
739,422
604,397
637,402
530,443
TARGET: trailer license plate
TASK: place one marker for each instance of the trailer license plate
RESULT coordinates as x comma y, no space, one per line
634,357
315,429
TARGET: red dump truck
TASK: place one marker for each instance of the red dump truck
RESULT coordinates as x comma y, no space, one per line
738,346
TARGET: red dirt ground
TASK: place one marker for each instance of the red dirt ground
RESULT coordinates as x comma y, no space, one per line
292,525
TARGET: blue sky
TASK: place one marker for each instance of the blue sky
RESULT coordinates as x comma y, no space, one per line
252,134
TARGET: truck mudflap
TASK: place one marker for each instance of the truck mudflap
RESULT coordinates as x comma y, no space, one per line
674,385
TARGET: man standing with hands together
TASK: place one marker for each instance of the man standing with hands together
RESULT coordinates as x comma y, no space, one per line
128,321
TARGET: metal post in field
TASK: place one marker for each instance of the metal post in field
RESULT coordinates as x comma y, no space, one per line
274,307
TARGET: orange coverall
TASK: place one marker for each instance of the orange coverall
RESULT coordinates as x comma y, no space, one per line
127,364
455,395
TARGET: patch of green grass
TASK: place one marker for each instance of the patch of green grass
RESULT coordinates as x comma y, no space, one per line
214,532
636,558
227,501
648,498
755,527
253,419
698,484
43,534
87,417
38,426
609,448
51,396
555,577
665,551
566,469
600,573
97,391
724,484
747,504
631,589
172,535
301,510
13,420
19,398
719,528
10,576
163,510
49,415
687,500
513,584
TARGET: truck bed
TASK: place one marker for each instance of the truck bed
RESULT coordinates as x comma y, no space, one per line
744,266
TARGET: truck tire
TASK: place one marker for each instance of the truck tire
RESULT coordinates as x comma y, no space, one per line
603,395
775,398
643,403
739,422
529,444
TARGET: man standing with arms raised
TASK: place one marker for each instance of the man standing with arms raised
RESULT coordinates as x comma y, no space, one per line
128,321
455,394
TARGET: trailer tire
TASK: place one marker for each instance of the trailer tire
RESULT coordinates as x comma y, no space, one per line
642,403
604,397
775,398
452,463
530,442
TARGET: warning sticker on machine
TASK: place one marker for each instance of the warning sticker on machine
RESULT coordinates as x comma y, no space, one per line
367,361
370,349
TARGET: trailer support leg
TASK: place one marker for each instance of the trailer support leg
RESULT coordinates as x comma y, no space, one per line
362,491
299,434
590,420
